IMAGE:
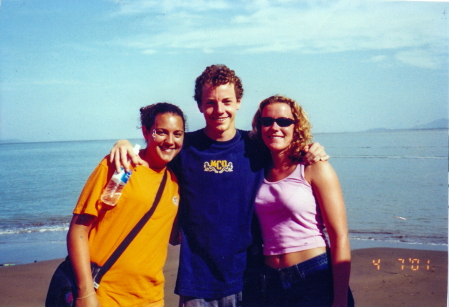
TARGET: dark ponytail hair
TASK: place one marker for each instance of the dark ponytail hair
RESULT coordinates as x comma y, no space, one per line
148,114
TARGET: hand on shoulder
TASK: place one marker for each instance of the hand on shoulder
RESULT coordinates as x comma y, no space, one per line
122,154
314,153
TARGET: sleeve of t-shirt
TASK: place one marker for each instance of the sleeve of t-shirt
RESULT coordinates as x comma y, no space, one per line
89,200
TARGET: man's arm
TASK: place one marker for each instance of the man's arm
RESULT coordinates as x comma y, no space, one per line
122,154
314,153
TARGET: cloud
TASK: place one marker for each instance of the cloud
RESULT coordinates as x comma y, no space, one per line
421,58
260,26
149,51
132,7
378,58
423,0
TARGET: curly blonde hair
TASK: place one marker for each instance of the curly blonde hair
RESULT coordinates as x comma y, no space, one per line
302,134
217,75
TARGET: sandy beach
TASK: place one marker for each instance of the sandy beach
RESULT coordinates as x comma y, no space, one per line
379,277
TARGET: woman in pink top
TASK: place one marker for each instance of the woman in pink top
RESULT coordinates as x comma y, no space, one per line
294,205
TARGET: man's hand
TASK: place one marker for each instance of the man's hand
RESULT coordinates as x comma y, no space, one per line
122,154
314,153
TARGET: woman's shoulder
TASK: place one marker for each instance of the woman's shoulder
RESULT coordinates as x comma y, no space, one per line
321,170
319,166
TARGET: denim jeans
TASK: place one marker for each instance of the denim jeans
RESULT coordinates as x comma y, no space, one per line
308,284
234,300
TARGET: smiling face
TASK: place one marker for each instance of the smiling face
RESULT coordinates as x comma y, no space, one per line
219,106
164,139
276,138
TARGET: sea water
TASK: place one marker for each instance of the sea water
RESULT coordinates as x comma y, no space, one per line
394,184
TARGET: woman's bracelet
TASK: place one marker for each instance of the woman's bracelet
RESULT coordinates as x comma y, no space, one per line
80,298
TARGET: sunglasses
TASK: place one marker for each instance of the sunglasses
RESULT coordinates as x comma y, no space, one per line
281,121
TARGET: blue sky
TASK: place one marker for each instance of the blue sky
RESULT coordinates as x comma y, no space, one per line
80,70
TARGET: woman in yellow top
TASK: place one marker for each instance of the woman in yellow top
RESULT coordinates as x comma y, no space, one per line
136,279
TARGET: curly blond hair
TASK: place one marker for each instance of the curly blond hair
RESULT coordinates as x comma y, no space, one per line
302,134
217,75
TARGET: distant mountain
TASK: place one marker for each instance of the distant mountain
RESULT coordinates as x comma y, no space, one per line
378,130
436,124
442,123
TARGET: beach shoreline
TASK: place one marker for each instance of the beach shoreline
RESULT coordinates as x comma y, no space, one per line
34,247
380,276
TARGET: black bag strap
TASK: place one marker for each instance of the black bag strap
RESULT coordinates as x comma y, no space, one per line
132,234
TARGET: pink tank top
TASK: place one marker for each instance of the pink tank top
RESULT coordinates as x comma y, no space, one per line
289,215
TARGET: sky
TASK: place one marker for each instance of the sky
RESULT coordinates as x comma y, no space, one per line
80,70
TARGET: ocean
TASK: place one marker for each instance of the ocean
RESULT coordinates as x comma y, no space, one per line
395,185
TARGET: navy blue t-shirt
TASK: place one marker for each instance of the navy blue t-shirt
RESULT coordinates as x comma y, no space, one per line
218,182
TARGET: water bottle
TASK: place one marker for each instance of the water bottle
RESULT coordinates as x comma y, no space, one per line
113,190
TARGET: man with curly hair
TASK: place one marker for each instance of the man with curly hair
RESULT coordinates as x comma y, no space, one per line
220,170
219,173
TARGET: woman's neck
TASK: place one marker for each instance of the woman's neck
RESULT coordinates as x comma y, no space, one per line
281,160
282,167
145,156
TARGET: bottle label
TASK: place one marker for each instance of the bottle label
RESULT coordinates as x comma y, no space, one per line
122,177
125,176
